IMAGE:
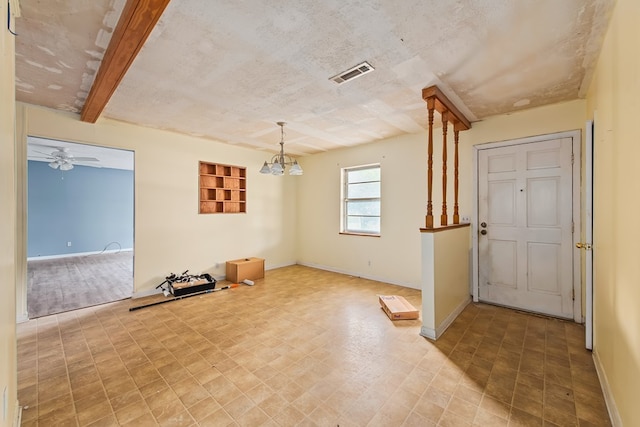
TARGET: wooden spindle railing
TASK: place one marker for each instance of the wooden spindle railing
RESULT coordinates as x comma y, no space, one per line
437,101
445,119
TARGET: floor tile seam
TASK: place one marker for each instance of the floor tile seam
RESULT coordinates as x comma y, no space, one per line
545,382
222,408
113,412
466,401
68,377
421,395
500,402
104,390
471,322
38,367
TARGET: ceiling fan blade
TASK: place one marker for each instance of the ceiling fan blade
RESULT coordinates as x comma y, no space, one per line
84,159
46,154
89,165
53,147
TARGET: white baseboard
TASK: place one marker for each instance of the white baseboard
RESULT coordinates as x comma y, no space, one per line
614,415
110,251
21,318
146,293
149,292
284,264
436,333
363,276
451,317
428,333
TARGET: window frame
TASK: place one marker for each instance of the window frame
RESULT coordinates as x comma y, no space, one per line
344,216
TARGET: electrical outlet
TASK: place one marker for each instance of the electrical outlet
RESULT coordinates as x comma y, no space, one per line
68,244
466,219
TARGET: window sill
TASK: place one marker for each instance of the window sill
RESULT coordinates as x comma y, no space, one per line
358,234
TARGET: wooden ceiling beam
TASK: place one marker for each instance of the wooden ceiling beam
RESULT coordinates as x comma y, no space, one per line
138,19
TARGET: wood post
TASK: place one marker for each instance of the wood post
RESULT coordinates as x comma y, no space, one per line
445,120
431,107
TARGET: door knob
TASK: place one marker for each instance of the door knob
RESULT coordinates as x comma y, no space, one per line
586,246
483,232
483,224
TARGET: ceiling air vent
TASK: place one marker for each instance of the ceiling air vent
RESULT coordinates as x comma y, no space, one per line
353,72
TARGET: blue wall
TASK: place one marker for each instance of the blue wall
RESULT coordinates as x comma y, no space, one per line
89,207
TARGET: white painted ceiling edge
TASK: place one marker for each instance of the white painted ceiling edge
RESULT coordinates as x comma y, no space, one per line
112,158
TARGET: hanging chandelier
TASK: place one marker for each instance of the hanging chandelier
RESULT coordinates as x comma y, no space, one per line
281,160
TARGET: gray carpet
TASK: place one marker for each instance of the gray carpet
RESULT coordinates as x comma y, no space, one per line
64,284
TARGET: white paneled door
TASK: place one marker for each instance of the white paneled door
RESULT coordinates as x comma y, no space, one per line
525,220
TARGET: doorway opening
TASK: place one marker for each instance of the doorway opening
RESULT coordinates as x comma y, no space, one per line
80,223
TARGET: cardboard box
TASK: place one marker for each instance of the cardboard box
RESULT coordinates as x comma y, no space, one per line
246,268
398,308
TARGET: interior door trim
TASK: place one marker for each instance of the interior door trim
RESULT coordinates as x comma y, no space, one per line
588,232
576,136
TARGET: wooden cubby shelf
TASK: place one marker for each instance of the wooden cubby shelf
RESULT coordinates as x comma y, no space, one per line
223,188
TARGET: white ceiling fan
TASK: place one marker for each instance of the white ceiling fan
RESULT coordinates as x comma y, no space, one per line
62,158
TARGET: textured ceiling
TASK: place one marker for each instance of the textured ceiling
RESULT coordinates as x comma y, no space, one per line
229,69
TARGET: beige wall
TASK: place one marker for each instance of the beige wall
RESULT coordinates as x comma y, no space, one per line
613,101
395,256
170,235
452,272
8,379
445,277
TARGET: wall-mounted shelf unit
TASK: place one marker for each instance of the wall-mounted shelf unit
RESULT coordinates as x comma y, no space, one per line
223,188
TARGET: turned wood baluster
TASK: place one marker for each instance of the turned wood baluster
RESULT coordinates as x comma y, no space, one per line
431,104
456,214
445,119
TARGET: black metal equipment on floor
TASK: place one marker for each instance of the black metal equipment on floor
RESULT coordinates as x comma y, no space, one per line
185,286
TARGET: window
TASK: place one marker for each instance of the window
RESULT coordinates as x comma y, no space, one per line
361,200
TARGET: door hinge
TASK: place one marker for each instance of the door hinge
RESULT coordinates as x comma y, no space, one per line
572,226
572,157
573,294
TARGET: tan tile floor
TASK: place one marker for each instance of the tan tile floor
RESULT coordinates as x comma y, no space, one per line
302,347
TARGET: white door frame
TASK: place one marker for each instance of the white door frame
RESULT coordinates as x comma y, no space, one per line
575,175
588,233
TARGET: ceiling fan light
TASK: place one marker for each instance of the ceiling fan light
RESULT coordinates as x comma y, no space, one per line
66,167
54,165
265,168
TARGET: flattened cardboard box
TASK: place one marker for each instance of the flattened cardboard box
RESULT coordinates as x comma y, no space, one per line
398,308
